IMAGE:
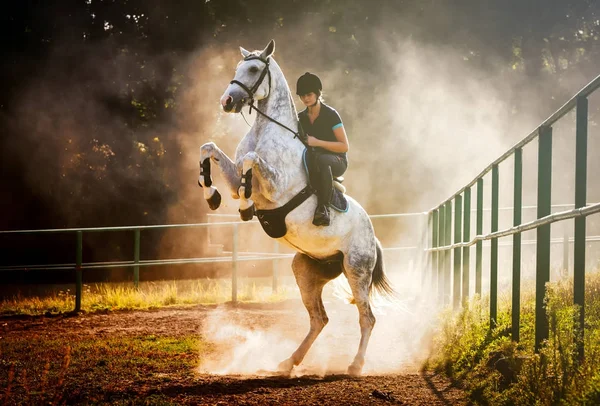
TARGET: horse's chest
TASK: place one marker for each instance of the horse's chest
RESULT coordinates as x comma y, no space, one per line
270,153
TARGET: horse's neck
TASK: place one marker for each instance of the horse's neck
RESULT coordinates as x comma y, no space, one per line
280,107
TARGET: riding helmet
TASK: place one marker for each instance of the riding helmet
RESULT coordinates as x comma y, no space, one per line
308,83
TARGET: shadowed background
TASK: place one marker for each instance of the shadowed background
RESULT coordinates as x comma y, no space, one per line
105,105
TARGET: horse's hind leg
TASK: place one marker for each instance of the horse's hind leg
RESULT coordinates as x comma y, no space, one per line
358,269
311,276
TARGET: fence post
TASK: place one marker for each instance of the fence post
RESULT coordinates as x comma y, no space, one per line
136,258
466,255
78,271
580,201
565,265
517,218
448,252
234,268
441,254
543,234
494,250
457,251
434,254
424,261
479,231
275,287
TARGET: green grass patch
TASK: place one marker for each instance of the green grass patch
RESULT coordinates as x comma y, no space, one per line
124,296
497,371
74,369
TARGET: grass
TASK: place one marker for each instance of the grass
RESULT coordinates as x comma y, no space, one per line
41,370
113,296
497,371
73,366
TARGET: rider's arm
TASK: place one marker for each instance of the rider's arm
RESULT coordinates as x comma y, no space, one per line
339,146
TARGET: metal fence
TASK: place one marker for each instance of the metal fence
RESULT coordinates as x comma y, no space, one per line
235,256
450,240
239,251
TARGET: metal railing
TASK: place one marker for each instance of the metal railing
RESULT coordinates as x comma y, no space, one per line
235,256
440,220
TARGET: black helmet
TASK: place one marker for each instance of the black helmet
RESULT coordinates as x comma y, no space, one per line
308,83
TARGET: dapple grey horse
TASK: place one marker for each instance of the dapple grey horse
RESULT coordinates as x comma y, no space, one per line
268,172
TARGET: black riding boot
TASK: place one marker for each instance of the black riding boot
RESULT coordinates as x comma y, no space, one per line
321,215
323,194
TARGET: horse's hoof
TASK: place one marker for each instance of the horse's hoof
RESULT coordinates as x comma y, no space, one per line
214,201
285,367
354,370
247,214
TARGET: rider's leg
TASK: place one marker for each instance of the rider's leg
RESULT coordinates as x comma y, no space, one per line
321,217
329,165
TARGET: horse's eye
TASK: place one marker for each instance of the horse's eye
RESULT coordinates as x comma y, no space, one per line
254,69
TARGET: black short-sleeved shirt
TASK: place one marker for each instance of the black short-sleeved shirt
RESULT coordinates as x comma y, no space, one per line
323,127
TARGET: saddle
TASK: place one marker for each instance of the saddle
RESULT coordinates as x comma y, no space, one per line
273,221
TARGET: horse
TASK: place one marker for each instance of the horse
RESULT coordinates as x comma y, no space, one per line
269,179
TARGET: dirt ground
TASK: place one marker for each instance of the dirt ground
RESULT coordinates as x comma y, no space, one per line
194,387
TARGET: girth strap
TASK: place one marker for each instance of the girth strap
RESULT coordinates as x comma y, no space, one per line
273,221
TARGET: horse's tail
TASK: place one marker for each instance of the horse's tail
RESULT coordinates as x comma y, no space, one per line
380,281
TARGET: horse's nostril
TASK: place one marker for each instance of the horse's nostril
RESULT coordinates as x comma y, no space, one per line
226,102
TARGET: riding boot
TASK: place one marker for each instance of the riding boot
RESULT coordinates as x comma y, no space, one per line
321,217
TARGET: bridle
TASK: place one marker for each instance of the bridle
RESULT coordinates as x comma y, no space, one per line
251,91
266,71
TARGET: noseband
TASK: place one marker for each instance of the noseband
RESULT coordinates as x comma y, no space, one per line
251,91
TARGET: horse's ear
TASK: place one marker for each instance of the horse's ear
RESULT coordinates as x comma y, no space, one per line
268,51
244,52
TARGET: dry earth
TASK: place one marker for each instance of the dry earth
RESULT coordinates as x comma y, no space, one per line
192,387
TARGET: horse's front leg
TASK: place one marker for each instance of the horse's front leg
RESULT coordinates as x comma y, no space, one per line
209,152
267,178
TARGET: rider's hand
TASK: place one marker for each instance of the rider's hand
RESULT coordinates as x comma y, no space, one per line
312,141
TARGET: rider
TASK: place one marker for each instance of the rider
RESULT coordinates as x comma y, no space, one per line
326,134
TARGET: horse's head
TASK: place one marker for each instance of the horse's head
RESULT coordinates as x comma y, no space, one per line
252,80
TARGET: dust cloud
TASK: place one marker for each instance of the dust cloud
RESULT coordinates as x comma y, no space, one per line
422,123
255,342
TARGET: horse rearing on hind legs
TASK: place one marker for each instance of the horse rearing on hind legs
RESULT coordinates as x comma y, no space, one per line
269,179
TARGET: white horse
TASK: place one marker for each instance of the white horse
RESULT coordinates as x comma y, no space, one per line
268,173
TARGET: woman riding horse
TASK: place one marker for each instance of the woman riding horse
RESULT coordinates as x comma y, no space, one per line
269,179
325,132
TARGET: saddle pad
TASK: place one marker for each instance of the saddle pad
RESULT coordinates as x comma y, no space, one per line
338,201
